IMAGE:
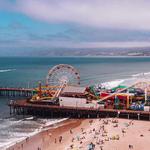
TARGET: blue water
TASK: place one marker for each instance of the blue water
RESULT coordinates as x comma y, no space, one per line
26,72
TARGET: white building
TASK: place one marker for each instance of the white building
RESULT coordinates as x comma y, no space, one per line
73,96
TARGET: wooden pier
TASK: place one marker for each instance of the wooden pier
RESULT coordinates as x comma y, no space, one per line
16,92
22,107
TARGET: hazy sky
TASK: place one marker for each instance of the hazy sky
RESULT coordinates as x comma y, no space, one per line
74,23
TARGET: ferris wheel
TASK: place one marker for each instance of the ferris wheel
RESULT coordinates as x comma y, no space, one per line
63,74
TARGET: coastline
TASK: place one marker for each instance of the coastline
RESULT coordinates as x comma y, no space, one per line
46,126
44,136
47,141
72,129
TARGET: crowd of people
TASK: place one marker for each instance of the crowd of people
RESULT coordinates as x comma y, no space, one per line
98,136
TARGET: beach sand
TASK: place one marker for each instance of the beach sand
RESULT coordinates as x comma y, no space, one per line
105,134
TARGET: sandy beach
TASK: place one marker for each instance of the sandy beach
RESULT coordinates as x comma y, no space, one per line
90,134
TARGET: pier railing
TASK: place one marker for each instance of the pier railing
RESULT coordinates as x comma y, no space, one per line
16,92
54,111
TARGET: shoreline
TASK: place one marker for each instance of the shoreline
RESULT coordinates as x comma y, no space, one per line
86,56
54,129
79,133
48,125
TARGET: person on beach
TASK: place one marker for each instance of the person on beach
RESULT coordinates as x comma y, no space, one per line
50,134
60,139
82,129
91,121
130,146
91,146
71,146
90,131
27,139
71,131
72,140
55,140
123,132
78,137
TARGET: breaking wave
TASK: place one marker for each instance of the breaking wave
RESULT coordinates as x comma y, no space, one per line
141,74
112,84
12,130
6,70
127,81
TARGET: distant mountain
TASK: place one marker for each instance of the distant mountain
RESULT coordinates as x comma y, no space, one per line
136,51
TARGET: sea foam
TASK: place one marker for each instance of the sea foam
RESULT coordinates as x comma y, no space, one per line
14,131
6,70
142,74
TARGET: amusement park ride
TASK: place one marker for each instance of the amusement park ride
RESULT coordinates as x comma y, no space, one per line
57,79
63,84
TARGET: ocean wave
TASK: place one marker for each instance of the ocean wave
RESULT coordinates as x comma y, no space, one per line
127,81
112,84
145,74
6,70
49,123
19,130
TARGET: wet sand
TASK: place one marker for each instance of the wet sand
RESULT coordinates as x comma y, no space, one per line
105,134
45,140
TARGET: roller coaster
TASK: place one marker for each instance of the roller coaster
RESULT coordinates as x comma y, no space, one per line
63,75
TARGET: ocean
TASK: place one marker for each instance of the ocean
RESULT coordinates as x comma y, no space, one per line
26,72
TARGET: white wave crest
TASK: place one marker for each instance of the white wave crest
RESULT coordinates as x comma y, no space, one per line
142,74
6,70
17,131
112,84
127,81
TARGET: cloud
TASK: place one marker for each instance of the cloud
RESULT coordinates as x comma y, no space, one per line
124,14
105,34
92,23
7,5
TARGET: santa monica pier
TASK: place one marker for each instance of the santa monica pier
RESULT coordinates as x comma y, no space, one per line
62,96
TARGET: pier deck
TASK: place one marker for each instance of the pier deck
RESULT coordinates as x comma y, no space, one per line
15,92
25,107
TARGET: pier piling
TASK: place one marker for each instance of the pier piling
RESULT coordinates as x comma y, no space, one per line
23,107
16,92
